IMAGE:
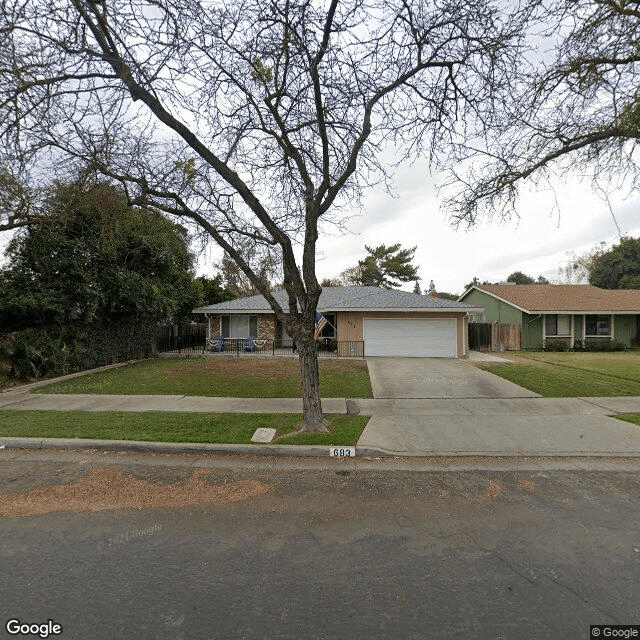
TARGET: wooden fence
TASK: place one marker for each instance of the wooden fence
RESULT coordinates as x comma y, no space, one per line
174,337
486,336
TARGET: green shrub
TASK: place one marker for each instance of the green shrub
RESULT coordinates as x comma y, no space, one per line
559,344
603,344
595,344
36,353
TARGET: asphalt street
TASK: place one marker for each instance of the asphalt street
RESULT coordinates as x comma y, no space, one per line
185,547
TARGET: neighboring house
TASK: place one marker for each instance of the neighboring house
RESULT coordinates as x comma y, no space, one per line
567,312
383,322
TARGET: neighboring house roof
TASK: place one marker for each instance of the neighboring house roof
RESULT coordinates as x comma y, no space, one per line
347,299
559,298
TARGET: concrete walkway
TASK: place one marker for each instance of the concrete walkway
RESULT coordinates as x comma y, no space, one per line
438,378
407,427
169,403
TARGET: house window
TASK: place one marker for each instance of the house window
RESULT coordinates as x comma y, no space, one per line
239,326
597,326
329,329
557,325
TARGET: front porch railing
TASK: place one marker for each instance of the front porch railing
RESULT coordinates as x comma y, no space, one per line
327,348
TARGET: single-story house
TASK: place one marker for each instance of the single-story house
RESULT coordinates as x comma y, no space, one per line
566,312
383,322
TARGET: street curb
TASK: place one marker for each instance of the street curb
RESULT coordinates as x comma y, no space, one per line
284,450
243,450
501,454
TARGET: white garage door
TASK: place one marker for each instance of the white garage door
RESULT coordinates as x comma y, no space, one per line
435,338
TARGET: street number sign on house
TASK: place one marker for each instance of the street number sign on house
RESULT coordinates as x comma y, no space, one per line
342,452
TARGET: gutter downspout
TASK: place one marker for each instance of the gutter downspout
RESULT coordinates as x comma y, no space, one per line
208,336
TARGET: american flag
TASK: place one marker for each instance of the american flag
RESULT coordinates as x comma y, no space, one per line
321,321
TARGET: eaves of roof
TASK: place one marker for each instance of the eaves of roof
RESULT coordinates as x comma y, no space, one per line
497,297
344,299
468,309
562,299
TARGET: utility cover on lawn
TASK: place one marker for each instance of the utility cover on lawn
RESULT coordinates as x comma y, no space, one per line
263,435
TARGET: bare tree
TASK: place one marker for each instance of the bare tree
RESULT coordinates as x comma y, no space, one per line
17,205
254,119
350,277
263,262
578,112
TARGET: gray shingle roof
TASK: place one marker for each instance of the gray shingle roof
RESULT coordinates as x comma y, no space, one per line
345,299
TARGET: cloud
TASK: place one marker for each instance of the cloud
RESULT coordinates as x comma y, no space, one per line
571,218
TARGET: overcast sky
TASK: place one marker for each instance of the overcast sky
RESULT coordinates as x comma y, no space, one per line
537,243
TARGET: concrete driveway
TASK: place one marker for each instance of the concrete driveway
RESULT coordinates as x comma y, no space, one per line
437,378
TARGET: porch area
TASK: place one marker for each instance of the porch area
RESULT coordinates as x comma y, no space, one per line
251,347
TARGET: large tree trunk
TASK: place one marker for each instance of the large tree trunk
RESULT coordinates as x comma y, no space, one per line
314,421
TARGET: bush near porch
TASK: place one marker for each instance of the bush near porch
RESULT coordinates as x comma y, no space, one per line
590,344
221,377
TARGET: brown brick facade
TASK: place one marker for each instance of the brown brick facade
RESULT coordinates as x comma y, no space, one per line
214,327
267,325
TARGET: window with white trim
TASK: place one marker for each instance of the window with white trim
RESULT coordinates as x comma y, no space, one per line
597,326
239,326
557,325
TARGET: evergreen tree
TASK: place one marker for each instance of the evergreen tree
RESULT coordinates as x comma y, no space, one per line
388,267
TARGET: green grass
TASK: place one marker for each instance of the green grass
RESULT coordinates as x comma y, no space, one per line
560,375
624,365
218,428
633,418
221,377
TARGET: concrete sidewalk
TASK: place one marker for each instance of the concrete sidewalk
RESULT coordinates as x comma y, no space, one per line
169,403
20,400
502,427
401,427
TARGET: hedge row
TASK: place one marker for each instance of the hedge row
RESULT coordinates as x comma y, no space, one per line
36,353
590,344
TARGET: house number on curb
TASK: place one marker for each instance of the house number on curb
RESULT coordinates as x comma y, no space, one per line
342,452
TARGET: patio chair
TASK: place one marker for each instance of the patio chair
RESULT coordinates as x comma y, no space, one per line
250,344
219,343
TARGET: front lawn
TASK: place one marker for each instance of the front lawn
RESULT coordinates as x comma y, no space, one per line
560,375
217,428
221,377
633,418
622,364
